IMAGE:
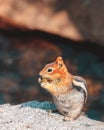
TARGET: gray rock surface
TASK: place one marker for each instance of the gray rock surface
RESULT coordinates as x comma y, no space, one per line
33,116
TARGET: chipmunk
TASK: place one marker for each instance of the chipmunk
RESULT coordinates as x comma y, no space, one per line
69,92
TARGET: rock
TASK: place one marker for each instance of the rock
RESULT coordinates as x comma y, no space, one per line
77,20
33,116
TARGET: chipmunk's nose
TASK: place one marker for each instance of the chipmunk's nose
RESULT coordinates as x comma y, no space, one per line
40,76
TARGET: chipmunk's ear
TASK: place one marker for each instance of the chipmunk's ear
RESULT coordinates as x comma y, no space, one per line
59,61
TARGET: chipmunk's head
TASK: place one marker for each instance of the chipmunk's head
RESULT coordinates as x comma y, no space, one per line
54,70
53,75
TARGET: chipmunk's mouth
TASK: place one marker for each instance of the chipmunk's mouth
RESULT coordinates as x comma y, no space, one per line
49,80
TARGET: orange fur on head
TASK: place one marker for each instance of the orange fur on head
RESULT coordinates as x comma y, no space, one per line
58,69
56,75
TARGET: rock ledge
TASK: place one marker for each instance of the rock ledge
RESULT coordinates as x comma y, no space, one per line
33,116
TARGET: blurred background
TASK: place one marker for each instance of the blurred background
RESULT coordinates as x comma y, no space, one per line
34,32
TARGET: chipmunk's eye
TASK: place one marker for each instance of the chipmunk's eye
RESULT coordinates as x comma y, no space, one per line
49,70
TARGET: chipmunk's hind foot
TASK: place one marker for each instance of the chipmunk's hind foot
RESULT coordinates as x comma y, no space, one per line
67,118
